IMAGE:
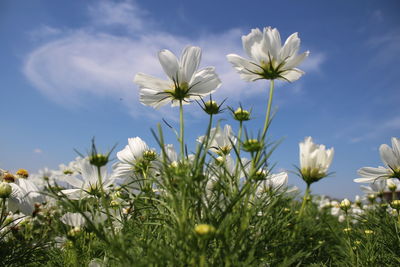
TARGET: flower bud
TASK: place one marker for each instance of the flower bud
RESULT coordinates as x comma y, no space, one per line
358,201
371,198
149,155
260,175
391,185
345,204
204,229
219,161
74,231
395,204
368,232
211,107
252,145
98,160
5,190
241,114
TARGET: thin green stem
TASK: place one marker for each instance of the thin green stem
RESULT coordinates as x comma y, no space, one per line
267,115
305,200
3,211
239,140
353,259
181,134
104,201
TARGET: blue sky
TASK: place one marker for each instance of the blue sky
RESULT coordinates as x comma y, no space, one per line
67,69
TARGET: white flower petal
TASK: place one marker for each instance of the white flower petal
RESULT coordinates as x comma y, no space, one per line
152,83
154,99
73,219
169,63
189,62
255,36
296,60
170,152
204,82
396,149
72,180
248,70
291,46
291,75
387,156
137,147
370,174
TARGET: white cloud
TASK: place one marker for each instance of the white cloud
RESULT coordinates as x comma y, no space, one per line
86,62
125,13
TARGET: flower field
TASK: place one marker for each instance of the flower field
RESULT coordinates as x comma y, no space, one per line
221,204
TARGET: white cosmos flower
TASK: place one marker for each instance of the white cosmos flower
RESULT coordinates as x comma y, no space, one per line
185,82
88,183
132,158
73,219
376,188
20,200
268,58
171,155
221,140
390,157
275,182
314,160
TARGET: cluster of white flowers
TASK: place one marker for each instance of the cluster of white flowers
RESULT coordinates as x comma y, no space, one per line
137,164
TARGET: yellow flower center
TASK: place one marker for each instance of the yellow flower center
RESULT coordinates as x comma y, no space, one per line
179,91
22,173
9,177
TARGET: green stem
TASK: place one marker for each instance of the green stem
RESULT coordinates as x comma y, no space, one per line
353,259
104,200
3,211
206,144
181,137
305,199
267,116
239,139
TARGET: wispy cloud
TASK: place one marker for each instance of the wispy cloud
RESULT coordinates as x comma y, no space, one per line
87,62
386,48
373,130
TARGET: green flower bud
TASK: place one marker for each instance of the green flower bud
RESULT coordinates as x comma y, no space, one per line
241,114
371,197
345,204
252,145
260,175
368,232
211,107
5,190
98,160
149,155
395,204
